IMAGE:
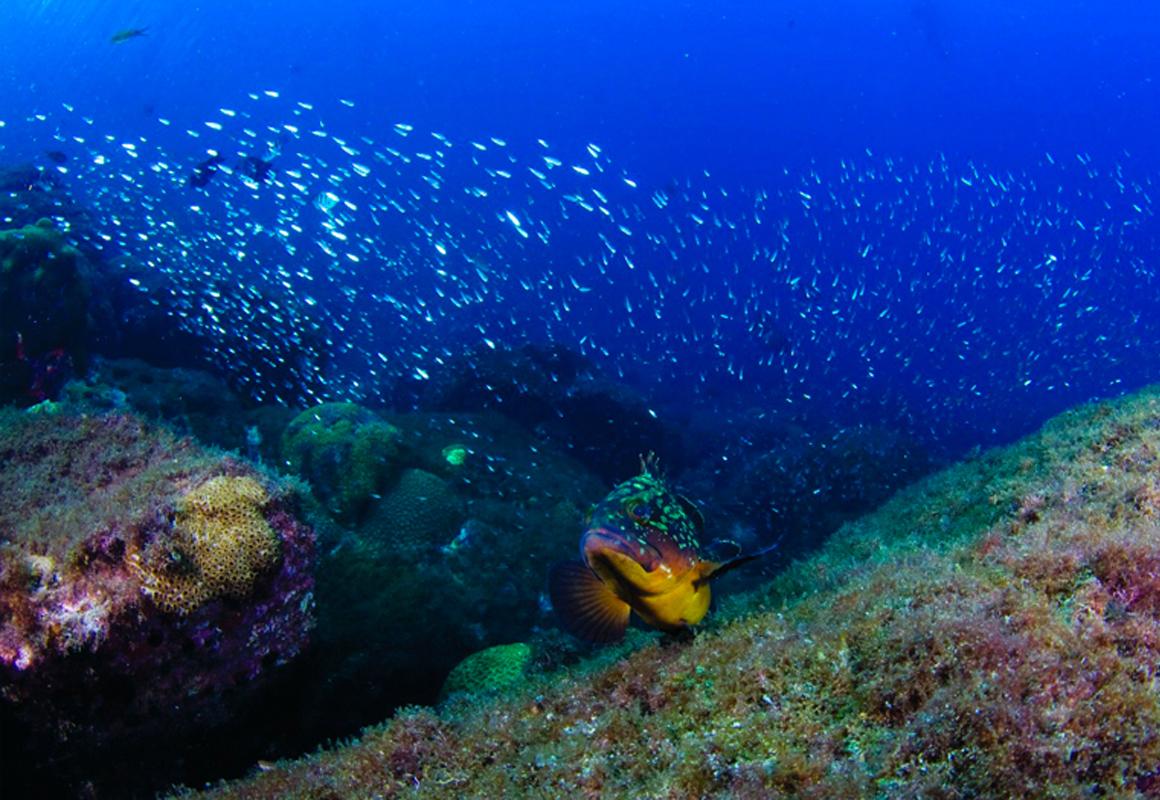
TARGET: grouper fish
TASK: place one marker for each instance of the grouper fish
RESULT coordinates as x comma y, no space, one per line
638,553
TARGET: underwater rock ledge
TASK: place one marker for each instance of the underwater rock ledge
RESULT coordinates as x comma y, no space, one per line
992,631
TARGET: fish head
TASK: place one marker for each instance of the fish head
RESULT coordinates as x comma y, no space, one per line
641,541
644,514
665,584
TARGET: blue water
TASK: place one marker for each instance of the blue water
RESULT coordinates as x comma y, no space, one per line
935,215
931,222
740,88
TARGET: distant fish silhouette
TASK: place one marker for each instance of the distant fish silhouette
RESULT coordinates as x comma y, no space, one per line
56,156
259,170
252,168
127,34
775,339
205,171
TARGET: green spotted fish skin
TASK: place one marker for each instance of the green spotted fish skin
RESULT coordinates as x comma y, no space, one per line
645,509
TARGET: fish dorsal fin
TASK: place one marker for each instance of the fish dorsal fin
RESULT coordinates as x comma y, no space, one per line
587,608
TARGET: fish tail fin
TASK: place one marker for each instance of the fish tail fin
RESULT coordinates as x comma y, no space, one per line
717,570
587,608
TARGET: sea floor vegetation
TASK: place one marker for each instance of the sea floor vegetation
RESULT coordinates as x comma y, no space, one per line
991,631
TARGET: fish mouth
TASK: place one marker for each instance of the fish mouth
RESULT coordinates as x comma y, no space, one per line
601,543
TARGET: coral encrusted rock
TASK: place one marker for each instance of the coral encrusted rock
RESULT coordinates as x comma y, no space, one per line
148,587
345,452
491,670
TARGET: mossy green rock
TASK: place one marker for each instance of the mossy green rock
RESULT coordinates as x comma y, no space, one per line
43,296
491,670
346,453
417,513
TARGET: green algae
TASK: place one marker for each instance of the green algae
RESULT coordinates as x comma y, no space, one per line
488,671
990,632
455,454
345,452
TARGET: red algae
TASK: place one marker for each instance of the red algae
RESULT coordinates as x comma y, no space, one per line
149,589
993,631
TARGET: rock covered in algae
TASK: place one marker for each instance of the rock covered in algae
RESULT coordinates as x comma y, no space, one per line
449,560
491,670
992,631
43,312
148,588
417,513
345,452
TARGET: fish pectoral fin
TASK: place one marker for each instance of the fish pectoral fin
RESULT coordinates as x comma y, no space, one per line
587,608
714,570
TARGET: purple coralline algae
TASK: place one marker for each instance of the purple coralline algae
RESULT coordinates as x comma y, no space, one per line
149,588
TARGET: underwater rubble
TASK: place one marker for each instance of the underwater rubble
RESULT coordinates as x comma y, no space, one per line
991,631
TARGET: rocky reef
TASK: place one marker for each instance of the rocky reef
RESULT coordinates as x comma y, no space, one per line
156,595
992,631
66,293
558,394
797,485
457,518
150,590
189,401
43,312
345,452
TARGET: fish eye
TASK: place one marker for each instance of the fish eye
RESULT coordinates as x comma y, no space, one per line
638,510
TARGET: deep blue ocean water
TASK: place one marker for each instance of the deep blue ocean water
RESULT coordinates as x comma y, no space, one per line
936,215
936,218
